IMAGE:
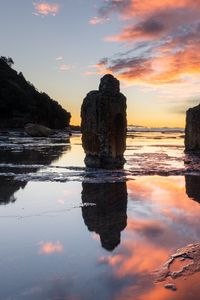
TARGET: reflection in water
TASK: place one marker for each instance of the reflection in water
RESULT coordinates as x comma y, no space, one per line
32,156
24,161
108,217
192,186
8,188
49,248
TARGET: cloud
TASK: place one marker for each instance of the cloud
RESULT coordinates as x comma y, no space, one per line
50,248
163,40
98,20
45,8
111,6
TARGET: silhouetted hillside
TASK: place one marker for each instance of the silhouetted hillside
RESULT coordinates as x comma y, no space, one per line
21,103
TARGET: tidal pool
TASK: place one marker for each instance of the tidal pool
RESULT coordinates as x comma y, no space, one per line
77,234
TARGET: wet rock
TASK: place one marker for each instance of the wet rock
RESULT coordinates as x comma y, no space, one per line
170,286
36,130
103,125
192,129
188,260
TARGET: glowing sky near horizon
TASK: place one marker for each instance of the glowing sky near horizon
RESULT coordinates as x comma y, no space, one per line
64,46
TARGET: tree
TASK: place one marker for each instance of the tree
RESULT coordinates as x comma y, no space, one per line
7,60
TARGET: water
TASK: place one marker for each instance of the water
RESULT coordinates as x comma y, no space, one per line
73,233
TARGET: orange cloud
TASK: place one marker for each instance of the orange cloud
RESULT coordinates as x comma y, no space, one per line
163,40
45,8
50,248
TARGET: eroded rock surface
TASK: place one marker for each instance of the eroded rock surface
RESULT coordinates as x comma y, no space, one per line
192,130
104,124
187,259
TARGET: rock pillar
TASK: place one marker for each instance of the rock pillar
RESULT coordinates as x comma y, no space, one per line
192,129
103,125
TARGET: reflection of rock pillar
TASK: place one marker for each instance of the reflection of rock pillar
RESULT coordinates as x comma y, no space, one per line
192,129
108,216
103,125
192,186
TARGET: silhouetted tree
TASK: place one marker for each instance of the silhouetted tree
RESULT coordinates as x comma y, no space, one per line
21,103
8,60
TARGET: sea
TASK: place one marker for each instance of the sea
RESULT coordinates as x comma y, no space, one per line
73,233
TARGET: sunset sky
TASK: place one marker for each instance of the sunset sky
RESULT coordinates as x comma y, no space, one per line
65,46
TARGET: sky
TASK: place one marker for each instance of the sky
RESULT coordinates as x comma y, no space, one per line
64,47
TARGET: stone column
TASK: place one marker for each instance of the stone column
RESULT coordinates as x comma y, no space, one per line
192,129
104,125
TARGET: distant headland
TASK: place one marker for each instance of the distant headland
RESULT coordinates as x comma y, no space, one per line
21,103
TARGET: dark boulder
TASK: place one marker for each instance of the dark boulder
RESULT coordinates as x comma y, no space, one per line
103,125
36,130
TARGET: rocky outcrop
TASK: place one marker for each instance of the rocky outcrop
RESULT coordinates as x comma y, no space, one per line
188,263
21,103
36,130
108,216
103,125
192,129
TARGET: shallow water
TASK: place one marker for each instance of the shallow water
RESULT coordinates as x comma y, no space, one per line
72,233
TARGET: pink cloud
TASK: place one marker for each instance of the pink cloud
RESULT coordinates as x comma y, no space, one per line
162,37
45,8
98,20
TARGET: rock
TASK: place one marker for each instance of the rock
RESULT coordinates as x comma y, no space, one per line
192,129
170,286
188,261
103,125
37,130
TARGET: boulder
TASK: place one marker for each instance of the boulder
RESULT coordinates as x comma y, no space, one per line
192,129
104,125
36,130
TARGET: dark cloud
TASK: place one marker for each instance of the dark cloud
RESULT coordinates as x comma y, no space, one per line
151,26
